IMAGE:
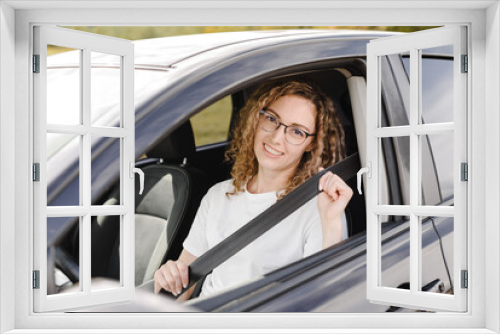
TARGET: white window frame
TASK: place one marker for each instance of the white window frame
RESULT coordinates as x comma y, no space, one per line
87,43
483,206
414,43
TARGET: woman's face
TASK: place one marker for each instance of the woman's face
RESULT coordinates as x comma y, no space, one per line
273,151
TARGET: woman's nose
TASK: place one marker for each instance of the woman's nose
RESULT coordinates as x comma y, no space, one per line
279,134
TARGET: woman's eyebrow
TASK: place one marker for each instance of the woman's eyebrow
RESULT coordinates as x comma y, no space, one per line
293,124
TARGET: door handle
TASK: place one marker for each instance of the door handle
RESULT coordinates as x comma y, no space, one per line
139,171
365,170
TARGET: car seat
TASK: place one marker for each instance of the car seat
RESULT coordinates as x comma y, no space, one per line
163,213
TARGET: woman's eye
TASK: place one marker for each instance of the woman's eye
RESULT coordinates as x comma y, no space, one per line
298,133
271,119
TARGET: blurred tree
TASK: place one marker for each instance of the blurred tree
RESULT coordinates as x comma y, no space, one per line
134,33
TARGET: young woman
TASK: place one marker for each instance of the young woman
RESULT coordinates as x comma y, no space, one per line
286,133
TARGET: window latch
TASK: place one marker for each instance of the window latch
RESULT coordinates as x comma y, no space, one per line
364,170
139,171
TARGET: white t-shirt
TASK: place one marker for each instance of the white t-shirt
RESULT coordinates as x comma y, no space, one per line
218,216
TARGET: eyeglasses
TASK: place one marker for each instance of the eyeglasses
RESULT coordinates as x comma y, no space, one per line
293,134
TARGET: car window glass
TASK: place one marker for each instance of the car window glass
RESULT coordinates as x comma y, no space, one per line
437,102
211,125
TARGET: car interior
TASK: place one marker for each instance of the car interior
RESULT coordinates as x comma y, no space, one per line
178,174
163,213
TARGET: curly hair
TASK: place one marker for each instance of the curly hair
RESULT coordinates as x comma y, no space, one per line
327,148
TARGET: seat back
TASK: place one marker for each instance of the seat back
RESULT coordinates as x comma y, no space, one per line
163,213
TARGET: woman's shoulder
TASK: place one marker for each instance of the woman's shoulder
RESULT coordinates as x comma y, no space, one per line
221,188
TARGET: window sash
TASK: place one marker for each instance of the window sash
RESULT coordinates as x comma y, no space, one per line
87,43
414,298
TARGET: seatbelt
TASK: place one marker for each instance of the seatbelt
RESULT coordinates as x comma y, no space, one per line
212,258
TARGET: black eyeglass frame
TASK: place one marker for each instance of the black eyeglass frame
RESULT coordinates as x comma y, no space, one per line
263,111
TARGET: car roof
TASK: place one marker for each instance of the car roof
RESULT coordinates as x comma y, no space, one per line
169,51
165,53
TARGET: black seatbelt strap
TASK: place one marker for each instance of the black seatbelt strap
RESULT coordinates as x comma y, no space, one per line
205,263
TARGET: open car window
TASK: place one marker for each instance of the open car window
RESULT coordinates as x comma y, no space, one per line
211,125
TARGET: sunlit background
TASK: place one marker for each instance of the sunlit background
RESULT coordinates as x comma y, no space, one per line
212,124
134,33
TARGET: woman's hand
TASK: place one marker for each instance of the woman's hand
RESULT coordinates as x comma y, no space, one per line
332,201
174,275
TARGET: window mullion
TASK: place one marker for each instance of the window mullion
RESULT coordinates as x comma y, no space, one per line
85,245
414,159
127,188
85,269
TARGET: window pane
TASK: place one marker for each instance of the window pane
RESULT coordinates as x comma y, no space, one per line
395,256
395,90
63,168
437,254
437,85
105,89
395,157
64,87
385,193
63,258
105,252
105,168
211,125
437,169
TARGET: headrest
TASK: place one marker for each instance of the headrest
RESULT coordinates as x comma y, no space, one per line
176,146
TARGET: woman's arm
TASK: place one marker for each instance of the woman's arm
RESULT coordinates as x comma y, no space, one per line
332,201
174,275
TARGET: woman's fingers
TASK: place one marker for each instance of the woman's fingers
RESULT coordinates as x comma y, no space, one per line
334,186
175,277
184,272
326,182
331,187
157,285
160,280
172,276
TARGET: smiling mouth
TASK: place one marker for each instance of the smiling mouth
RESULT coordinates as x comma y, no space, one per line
272,151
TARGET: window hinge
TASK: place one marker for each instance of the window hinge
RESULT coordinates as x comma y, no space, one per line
36,63
464,171
36,279
465,64
465,279
36,172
